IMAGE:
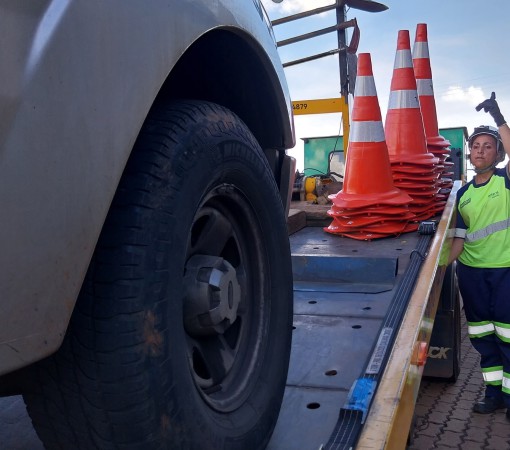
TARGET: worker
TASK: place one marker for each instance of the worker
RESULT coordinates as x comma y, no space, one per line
482,248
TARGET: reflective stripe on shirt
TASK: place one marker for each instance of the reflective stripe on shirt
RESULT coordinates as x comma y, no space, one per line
488,230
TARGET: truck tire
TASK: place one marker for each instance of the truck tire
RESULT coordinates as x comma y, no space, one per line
182,332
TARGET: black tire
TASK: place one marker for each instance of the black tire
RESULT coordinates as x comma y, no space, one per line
182,333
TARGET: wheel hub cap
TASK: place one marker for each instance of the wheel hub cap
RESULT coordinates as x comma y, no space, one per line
212,295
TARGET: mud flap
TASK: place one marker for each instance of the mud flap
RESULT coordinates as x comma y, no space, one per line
444,348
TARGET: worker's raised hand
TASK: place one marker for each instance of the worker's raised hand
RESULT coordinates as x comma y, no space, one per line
491,106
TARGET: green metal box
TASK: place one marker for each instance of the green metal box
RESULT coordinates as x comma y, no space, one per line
324,154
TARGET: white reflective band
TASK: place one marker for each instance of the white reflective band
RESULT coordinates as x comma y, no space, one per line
403,59
420,50
365,87
460,233
503,332
366,131
475,330
425,87
403,99
506,382
493,375
488,230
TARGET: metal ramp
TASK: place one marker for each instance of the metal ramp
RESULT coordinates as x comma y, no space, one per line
343,289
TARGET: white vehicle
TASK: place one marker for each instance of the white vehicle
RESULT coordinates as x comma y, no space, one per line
146,283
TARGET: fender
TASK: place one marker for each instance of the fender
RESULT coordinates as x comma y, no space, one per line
78,81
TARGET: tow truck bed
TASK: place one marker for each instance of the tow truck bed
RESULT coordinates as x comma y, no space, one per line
363,319
343,290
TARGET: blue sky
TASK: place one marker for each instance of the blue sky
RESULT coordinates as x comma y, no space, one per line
468,45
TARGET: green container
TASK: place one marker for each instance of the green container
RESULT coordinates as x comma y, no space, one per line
458,149
322,154
317,153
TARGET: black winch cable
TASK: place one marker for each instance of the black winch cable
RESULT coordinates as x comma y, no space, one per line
353,414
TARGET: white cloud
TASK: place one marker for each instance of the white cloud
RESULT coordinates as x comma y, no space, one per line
456,107
293,7
471,95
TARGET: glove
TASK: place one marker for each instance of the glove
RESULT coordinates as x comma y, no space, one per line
491,106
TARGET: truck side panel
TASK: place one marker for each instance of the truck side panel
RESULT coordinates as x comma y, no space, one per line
391,413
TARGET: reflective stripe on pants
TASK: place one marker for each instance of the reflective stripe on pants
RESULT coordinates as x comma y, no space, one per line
493,375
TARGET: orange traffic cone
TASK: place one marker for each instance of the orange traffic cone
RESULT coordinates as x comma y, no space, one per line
423,74
369,206
405,134
415,169
368,179
436,143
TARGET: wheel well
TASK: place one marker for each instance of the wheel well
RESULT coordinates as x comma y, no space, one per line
249,87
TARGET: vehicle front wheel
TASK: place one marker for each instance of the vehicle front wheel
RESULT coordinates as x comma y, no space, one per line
182,333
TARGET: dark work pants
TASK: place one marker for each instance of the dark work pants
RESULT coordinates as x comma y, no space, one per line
486,297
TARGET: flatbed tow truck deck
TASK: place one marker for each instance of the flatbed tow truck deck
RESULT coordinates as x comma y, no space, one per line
350,299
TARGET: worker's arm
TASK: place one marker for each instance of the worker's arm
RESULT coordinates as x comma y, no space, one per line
504,132
456,250
491,106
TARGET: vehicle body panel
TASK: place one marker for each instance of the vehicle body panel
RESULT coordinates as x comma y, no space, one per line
78,79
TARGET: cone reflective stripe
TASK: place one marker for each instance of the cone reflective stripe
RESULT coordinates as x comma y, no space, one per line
403,99
423,74
365,86
424,88
367,132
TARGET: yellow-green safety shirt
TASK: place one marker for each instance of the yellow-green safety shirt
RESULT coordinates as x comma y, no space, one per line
483,221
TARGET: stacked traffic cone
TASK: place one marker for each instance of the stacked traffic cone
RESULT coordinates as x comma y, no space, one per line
369,206
415,170
436,143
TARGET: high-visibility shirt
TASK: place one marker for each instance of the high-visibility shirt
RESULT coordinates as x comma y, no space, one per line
483,220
